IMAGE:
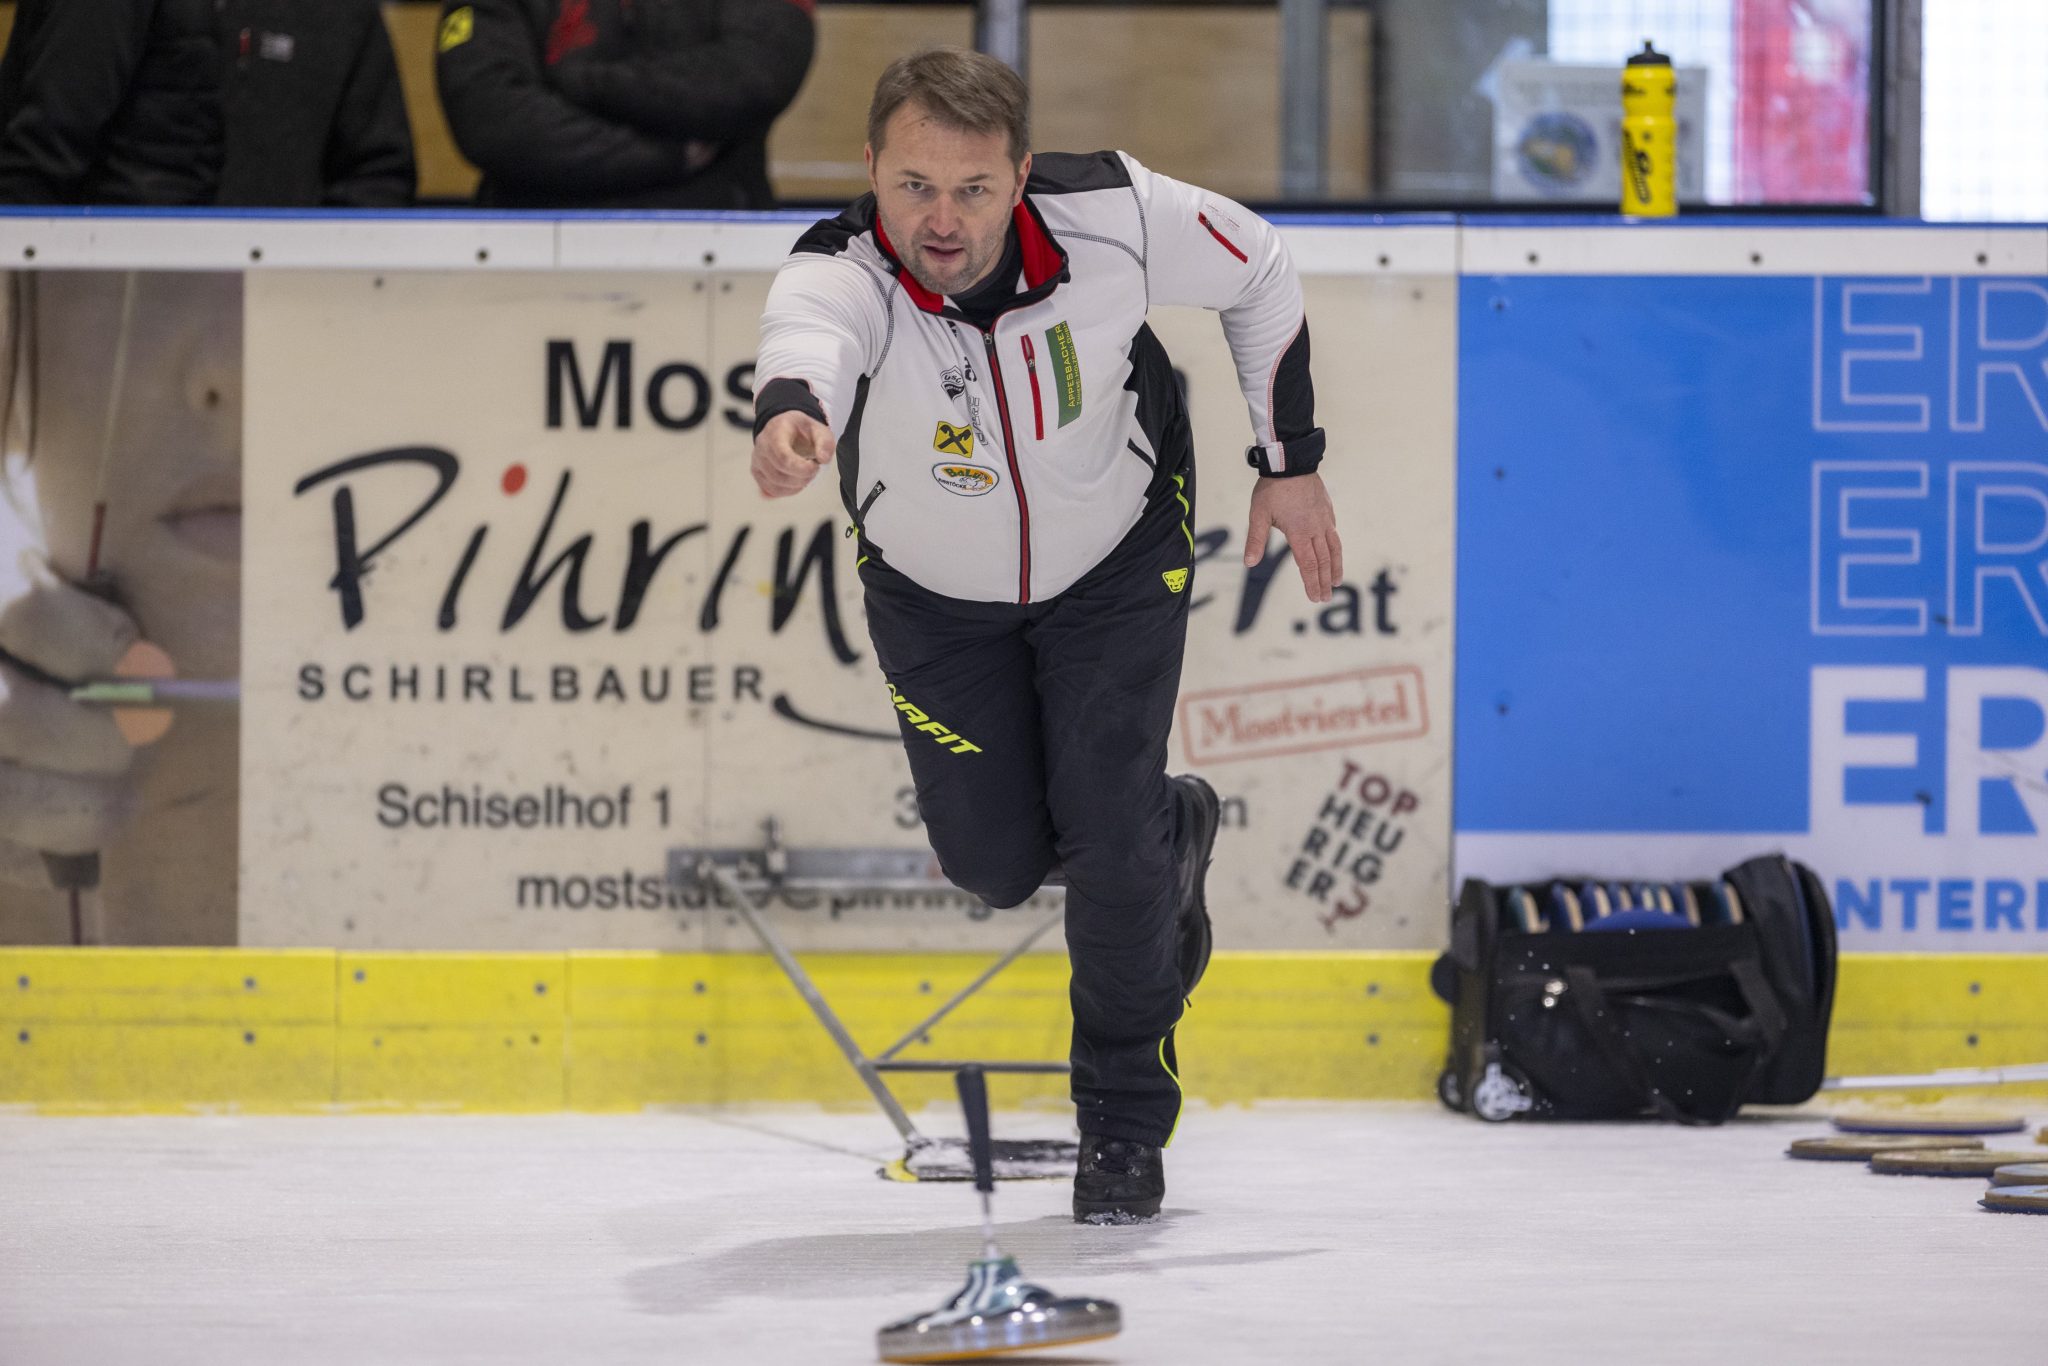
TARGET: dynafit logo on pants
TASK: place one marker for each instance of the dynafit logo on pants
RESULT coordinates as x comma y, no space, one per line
915,717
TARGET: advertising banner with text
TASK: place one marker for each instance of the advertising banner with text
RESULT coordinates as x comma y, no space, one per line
1761,563
515,623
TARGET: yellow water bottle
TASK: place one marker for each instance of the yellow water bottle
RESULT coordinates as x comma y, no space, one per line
1649,135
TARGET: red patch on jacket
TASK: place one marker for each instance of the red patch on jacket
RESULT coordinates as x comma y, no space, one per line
573,28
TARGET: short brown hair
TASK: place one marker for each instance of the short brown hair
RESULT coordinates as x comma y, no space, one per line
969,91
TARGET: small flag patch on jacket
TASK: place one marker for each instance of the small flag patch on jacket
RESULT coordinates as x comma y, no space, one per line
1066,369
1176,579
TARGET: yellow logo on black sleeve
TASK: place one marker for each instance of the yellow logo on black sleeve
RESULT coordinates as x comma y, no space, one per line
456,29
953,440
1176,579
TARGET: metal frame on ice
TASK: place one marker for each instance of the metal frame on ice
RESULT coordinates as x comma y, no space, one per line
740,876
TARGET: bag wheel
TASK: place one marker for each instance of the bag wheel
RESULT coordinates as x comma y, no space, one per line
1449,1092
1501,1094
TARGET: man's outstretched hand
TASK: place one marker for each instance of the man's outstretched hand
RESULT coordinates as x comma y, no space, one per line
1300,507
790,451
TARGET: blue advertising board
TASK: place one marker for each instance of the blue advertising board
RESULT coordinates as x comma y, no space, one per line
1756,563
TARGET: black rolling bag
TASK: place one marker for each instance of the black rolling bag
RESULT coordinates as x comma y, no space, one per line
1590,999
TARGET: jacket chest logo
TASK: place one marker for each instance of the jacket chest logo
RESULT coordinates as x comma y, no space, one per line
1065,365
271,47
951,440
969,481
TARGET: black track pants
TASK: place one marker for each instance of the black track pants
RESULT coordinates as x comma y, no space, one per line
1037,737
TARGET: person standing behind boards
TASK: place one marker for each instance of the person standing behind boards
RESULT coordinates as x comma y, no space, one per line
285,103
621,103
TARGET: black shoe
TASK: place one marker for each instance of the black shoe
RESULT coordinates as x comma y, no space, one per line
1117,1180
1197,812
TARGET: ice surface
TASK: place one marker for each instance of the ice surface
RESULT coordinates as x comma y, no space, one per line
1292,1234
1120,1219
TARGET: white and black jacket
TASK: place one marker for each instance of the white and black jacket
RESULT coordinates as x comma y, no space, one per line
1001,465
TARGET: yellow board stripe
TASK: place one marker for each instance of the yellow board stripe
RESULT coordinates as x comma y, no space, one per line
284,1030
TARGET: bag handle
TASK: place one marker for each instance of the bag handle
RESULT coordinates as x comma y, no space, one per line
1591,1003
1764,1009
1765,1024
1767,1021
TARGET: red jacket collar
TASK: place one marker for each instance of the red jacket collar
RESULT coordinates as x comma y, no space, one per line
1045,261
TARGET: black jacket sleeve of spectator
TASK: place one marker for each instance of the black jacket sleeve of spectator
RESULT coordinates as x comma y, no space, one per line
74,70
520,131
729,88
369,163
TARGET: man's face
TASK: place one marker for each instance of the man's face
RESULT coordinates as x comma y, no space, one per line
945,197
